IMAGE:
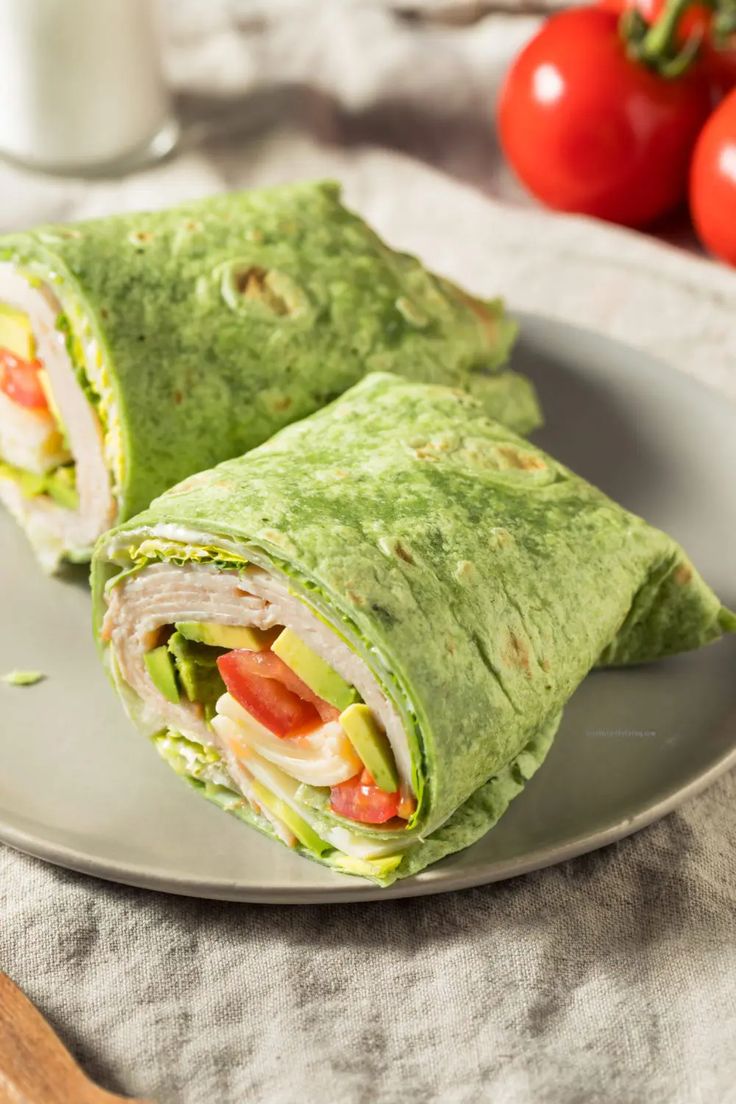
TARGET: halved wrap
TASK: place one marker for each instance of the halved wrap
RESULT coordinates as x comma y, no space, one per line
360,636
125,340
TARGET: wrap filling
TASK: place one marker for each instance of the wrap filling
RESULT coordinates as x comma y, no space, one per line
244,687
53,471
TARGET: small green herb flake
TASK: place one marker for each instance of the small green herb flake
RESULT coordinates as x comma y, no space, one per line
23,678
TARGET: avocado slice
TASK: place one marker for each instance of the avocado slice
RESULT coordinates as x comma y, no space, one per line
61,485
226,636
313,671
30,484
160,667
306,835
371,745
16,334
196,666
365,868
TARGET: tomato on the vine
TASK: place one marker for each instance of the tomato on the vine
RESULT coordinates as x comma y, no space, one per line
720,64
713,182
590,130
718,60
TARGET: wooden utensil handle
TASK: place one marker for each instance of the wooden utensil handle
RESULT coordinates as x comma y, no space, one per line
35,1066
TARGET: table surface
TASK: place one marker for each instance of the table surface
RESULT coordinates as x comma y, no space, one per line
609,978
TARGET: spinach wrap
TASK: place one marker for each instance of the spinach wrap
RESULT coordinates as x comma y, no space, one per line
360,636
125,340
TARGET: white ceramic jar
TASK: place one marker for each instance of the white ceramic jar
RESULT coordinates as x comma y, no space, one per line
81,85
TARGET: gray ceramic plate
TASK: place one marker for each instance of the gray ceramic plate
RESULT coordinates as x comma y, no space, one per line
79,787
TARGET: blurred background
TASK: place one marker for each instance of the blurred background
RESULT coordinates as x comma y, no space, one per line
398,99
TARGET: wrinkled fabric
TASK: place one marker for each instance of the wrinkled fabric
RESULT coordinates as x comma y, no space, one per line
606,980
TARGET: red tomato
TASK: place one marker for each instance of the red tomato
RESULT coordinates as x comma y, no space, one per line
264,685
19,381
591,131
719,64
713,182
360,799
697,17
285,674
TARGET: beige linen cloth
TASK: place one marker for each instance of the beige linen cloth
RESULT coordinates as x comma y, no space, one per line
610,979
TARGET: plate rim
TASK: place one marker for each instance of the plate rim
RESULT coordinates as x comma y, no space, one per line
431,881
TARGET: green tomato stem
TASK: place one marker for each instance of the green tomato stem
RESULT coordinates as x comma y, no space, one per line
656,45
660,39
724,24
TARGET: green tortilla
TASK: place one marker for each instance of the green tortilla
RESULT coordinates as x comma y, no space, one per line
220,321
478,578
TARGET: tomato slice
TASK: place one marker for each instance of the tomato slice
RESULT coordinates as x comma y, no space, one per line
292,682
264,685
19,381
360,799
